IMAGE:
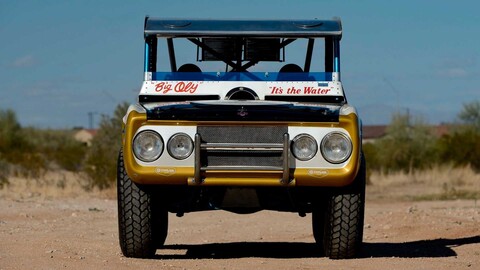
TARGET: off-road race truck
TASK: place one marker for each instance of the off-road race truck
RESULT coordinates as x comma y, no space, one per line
242,116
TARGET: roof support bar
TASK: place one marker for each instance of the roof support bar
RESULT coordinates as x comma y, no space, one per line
171,54
336,57
150,57
328,54
308,58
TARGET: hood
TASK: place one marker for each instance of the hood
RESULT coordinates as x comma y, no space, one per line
237,110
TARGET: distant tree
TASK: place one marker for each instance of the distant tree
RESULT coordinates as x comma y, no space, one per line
9,130
470,114
100,164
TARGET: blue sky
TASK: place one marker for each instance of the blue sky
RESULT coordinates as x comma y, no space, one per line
60,60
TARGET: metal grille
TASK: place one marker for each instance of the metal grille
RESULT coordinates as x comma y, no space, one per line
242,158
242,134
242,146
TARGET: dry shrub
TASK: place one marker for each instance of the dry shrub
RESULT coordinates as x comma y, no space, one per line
53,184
439,182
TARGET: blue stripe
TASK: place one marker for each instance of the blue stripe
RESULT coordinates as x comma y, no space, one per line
146,57
241,76
336,63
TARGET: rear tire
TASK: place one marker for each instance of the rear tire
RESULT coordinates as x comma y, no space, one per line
344,218
142,226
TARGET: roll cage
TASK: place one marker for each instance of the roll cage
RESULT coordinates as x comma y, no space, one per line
242,44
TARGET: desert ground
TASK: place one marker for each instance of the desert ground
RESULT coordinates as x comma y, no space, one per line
409,224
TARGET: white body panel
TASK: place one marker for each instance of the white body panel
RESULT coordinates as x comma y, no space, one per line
261,88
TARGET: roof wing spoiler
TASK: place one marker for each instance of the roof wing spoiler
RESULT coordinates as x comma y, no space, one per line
245,28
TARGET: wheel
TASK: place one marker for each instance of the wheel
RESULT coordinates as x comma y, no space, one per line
142,225
344,216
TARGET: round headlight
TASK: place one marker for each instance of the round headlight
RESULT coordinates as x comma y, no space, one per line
336,147
147,145
180,146
304,147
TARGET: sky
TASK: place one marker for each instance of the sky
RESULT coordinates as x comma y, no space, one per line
61,60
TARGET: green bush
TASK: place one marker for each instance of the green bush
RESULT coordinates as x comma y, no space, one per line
460,148
408,145
101,161
58,147
15,148
29,152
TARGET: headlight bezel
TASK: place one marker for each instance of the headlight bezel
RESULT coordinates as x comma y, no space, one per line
170,141
300,137
135,143
344,157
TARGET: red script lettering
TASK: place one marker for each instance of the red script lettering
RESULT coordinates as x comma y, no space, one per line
180,87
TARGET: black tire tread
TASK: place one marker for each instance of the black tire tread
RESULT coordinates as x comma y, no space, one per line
135,216
344,220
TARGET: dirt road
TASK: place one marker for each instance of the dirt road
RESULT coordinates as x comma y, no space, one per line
81,233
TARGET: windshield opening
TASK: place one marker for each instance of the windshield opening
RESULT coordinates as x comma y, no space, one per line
268,58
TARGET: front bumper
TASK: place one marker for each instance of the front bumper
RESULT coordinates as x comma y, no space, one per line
287,172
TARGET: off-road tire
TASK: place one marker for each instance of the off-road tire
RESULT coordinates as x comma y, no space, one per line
142,225
344,216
